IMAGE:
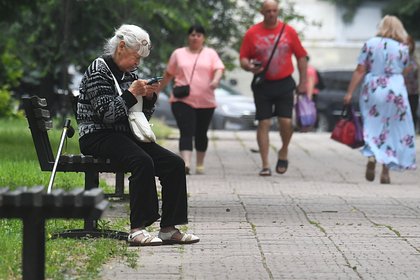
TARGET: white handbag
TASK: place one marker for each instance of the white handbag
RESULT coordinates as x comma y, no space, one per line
137,120
139,124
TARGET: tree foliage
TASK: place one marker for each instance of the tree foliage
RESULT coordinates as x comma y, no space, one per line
350,7
407,10
409,13
44,37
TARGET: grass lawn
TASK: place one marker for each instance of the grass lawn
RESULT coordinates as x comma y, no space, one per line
65,258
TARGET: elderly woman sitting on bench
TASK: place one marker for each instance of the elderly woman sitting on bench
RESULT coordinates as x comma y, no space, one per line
102,117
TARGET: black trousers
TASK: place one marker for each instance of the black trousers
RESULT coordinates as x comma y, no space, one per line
145,161
193,125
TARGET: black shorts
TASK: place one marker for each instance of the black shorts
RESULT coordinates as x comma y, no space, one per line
274,98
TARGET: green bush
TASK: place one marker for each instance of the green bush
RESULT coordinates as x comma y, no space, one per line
5,103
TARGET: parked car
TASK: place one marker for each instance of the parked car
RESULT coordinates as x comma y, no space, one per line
330,99
234,110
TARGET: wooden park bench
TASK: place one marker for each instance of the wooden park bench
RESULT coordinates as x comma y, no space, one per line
40,121
33,206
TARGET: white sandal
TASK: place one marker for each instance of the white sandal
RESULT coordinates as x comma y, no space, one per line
187,238
146,240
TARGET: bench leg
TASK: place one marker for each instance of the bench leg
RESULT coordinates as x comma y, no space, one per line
90,227
91,180
119,184
33,248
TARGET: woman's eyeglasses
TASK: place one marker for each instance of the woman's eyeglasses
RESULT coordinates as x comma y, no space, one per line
145,43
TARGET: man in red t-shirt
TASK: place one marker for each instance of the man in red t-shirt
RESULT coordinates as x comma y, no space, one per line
275,96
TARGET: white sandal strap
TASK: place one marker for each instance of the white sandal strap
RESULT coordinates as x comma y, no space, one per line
188,237
167,235
133,235
147,237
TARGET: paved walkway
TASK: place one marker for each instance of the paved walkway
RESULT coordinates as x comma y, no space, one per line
320,220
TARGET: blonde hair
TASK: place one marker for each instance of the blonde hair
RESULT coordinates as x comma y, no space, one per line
392,27
135,38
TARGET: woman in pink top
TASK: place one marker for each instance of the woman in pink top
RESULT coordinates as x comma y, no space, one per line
201,68
312,81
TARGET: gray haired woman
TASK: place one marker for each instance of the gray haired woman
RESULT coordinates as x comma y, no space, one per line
104,132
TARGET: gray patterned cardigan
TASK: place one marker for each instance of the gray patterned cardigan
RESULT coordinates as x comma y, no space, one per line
99,107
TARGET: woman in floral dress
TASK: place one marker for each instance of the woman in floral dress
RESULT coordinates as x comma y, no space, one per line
388,128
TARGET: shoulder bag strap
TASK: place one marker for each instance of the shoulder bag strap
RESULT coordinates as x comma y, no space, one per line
115,79
139,103
275,46
195,63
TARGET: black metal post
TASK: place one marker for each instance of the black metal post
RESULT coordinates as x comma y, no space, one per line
119,184
33,248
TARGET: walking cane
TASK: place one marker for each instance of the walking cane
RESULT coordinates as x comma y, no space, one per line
68,131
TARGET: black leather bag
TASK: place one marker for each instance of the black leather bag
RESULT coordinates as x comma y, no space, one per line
258,80
181,91
184,91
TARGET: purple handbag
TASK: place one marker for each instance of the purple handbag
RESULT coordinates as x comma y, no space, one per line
305,111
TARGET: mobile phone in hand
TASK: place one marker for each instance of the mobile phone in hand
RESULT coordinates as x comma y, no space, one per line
153,80
256,63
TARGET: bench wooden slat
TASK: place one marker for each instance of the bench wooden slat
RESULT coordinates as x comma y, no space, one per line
27,202
53,199
93,196
42,113
13,198
32,197
39,102
73,197
44,125
87,159
3,190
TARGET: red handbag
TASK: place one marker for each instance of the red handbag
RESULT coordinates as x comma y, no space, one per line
345,130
